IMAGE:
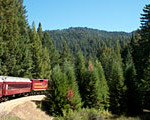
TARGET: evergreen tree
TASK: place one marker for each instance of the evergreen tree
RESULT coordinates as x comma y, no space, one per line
16,59
145,34
57,98
1,55
104,90
10,37
117,51
25,60
132,92
40,32
143,51
65,54
53,53
146,84
80,69
37,54
92,94
116,87
105,57
45,65
73,92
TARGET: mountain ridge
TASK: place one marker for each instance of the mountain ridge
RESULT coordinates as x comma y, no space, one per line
87,40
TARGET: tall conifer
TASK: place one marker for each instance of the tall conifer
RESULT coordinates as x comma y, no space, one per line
103,87
37,52
65,54
10,36
116,87
25,60
80,70
73,90
92,94
53,53
132,95
57,98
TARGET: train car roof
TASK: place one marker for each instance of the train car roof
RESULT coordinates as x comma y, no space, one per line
1,80
39,79
14,79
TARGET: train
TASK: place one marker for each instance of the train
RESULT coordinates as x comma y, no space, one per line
17,86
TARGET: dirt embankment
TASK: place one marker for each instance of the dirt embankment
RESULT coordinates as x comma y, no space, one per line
24,108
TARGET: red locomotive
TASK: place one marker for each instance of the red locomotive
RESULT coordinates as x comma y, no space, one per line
11,86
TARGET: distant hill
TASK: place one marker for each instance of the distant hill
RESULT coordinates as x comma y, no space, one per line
86,39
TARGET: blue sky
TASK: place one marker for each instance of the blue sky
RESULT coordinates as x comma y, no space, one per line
110,15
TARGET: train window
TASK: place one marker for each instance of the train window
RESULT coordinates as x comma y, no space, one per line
35,80
41,80
18,86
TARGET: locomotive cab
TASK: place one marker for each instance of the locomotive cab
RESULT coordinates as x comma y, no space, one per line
39,84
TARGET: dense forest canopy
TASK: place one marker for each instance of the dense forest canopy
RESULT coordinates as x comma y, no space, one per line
89,68
87,40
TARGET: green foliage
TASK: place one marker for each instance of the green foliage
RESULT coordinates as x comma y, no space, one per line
57,98
16,58
103,87
146,84
29,53
65,54
45,65
86,40
41,65
73,92
92,95
53,53
25,60
84,114
10,35
116,87
80,69
105,57
132,91
40,32
144,51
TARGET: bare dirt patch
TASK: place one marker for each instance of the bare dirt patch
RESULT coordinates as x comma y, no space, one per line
24,108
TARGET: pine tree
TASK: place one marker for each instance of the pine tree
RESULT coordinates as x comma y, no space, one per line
37,53
45,65
103,87
40,32
117,51
80,69
146,84
25,60
144,42
105,57
92,95
53,53
116,87
145,33
10,36
143,52
16,60
1,55
57,98
132,93
74,97
65,54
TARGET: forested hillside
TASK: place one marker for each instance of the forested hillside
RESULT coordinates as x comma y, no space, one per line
87,40
89,68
